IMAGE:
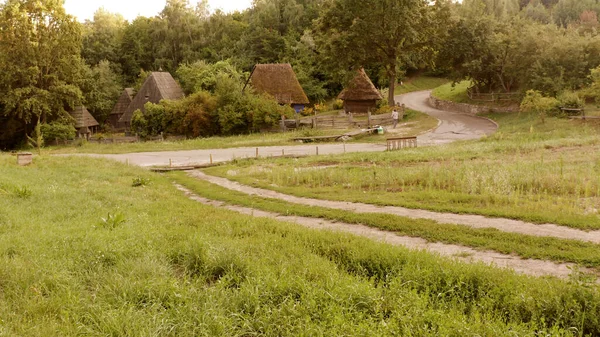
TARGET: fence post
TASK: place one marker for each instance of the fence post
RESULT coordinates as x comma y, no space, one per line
283,128
369,118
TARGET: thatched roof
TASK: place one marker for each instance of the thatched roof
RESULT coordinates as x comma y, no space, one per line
158,86
360,89
279,81
83,118
123,102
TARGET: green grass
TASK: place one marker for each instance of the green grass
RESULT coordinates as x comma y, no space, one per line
528,247
419,83
543,173
163,265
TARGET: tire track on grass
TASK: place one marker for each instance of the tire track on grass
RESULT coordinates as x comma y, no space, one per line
465,254
473,221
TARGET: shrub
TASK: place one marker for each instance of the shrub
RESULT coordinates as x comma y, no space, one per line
570,99
58,131
139,124
338,104
535,102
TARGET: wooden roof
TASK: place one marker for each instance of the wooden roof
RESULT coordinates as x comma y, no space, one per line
158,86
83,118
279,81
360,89
123,102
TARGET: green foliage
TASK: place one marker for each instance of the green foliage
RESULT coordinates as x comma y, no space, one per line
140,181
338,104
534,102
101,89
139,124
112,221
570,99
22,192
60,130
203,76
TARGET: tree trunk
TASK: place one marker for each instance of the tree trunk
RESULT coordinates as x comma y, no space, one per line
392,87
392,78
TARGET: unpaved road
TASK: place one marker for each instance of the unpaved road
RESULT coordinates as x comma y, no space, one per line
466,254
473,221
452,127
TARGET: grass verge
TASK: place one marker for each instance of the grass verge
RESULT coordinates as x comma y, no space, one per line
163,265
544,248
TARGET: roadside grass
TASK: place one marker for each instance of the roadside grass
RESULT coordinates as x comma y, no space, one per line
168,266
538,172
419,83
525,246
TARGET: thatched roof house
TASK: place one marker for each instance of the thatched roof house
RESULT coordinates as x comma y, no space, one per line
158,86
85,123
279,81
121,106
360,95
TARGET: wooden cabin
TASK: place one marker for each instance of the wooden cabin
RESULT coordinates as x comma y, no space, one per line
279,81
121,107
85,123
158,86
360,95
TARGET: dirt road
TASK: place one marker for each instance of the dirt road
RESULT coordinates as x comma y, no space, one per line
523,266
473,221
452,127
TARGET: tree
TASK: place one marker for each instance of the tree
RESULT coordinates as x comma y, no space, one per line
102,37
101,88
40,62
353,33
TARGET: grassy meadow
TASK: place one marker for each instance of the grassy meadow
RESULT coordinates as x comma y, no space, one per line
96,248
539,172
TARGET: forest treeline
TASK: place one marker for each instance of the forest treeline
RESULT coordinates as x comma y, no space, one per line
49,62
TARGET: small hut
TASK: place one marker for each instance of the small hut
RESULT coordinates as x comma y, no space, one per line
158,86
360,96
85,123
279,81
121,107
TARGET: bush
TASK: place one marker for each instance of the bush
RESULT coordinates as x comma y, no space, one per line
571,100
58,131
535,102
338,104
139,124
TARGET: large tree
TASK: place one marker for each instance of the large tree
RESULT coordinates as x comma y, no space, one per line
353,33
40,63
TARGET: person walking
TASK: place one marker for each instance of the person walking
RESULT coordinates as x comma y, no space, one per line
395,116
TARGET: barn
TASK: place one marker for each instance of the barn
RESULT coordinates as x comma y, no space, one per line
121,107
158,86
279,81
85,123
360,95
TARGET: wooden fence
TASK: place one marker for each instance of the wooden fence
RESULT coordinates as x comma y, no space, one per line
350,121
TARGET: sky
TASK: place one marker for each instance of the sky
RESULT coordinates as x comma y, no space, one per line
130,9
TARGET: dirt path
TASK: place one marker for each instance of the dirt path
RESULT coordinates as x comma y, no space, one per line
474,221
465,254
453,126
